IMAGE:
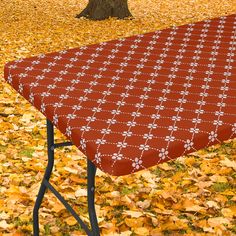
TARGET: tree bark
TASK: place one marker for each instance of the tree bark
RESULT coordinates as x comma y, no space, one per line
103,9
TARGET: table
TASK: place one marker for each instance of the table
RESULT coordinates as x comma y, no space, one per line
134,102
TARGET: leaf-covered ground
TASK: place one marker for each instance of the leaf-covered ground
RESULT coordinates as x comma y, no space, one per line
194,195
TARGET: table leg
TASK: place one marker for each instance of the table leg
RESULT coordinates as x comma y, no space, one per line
50,140
91,172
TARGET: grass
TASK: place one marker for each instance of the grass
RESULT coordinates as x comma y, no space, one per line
47,229
27,152
125,190
3,148
220,187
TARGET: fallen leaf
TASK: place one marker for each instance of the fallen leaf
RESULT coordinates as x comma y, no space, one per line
144,204
228,163
71,221
4,216
71,170
170,225
195,208
134,223
126,233
5,225
218,178
229,212
141,231
212,204
134,214
217,221
81,192
165,166
163,211
57,207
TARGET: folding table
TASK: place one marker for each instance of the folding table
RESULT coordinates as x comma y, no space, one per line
134,102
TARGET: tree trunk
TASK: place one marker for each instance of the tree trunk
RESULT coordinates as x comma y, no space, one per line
103,9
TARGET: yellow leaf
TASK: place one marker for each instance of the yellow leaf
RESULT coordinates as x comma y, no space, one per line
28,227
134,214
167,195
81,193
207,168
163,211
57,207
5,126
203,184
156,232
71,170
107,225
78,180
218,178
195,208
71,221
177,176
190,161
212,204
134,223
154,221
27,117
228,212
220,198
25,218
126,200
160,206
202,224
233,198
74,233
228,163
126,233
100,173
186,182
170,225
165,166
141,231
4,216
144,204
217,221
228,193
208,229
114,194
5,225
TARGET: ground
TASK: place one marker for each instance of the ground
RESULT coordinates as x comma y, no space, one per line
194,195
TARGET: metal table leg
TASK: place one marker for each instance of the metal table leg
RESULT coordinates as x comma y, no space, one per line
91,172
50,142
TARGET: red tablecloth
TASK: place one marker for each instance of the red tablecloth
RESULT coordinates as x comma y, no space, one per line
134,102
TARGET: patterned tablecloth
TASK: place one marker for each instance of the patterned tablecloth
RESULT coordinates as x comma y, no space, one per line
134,102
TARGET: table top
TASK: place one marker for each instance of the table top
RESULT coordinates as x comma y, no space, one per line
134,102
